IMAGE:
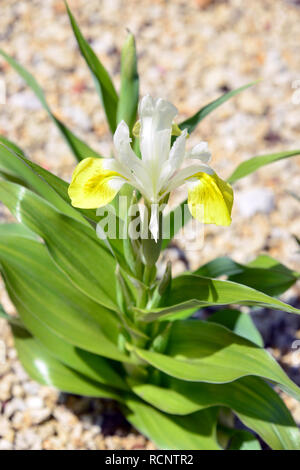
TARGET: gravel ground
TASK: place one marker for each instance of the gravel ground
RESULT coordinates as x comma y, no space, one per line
190,52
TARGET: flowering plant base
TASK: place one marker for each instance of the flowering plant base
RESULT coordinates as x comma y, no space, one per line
95,319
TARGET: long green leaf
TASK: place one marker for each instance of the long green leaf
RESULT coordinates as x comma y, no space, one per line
174,221
91,365
191,123
264,273
193,432
102,79
12,320
35,283
129,93
11,145
44,368
256,404
219,267
206,352
16,229
91,269
238,322
190,291
13,162
244,440
79,148
8,167
61,187
16,165
253,164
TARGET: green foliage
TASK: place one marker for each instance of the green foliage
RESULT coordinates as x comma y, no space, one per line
93,318
44,368
190,291
253,164
191,123
264,273
244,440
104,85
193,431
79,148
129,93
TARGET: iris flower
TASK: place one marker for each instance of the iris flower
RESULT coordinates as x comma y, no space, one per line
160,170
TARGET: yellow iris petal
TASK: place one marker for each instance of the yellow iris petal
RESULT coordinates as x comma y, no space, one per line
211,199
90,186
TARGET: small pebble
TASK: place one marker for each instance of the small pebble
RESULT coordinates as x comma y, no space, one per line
252,201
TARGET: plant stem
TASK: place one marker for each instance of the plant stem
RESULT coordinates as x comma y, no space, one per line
148,272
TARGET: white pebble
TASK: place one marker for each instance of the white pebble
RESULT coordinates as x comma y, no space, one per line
35,403
252,201
5,445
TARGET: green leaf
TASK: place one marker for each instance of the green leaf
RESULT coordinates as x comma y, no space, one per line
12,320
191,123
45,369
255,403
219,267
189,291
78,147
91,269
194,432
13,162
238,322
35,283
10,151
16,165
11,145
206,352
253,164
244,440
15,229
264,273
174,221
129,93
272,281
92,365
101,77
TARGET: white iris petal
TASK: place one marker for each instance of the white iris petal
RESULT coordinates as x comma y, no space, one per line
188,172
155,115
116,183
129,164
154,222
177,152
175,160
200,152
157,173
95,182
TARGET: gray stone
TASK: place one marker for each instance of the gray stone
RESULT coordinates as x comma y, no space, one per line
254,200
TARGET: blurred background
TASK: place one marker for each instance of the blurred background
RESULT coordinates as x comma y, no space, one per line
190,52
